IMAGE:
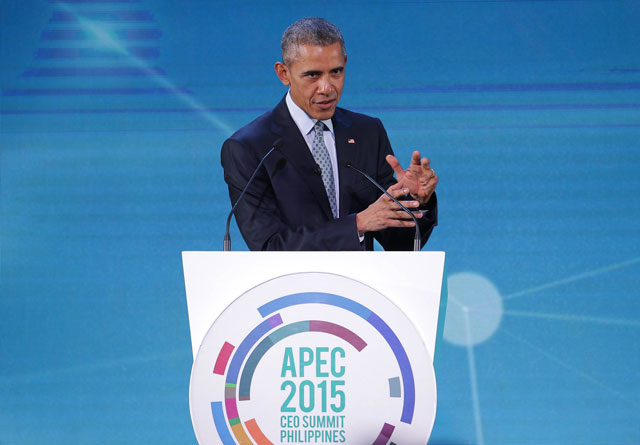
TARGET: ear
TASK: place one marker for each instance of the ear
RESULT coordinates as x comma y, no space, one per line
282,71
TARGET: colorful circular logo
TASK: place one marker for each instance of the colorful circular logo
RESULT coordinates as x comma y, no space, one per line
312,358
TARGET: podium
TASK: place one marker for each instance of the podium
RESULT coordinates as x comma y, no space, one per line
314,347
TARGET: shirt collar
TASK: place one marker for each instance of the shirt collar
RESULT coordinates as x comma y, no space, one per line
304,122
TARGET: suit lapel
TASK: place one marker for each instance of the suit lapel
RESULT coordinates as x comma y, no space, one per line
346,150
295,149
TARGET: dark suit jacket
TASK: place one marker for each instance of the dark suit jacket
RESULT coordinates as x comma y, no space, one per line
286,207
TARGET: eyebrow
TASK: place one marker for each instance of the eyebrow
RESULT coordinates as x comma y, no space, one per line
312,72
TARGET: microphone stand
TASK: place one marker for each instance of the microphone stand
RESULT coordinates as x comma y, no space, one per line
227,238
417,241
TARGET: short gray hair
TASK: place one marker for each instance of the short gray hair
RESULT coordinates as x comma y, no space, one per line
314,31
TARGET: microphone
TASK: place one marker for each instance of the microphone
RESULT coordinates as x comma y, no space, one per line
227,237
417,241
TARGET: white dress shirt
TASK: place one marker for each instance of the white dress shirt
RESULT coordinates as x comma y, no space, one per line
305,124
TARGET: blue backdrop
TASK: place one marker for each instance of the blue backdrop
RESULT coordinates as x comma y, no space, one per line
112,117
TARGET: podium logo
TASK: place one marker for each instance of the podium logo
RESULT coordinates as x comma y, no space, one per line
312,358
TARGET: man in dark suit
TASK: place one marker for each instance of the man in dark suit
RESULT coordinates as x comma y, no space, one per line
306,196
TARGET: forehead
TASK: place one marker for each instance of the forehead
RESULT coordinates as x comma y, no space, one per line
317,57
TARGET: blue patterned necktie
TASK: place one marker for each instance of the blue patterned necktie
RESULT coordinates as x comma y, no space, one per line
321,155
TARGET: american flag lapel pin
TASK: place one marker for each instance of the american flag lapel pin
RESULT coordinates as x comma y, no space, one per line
351,141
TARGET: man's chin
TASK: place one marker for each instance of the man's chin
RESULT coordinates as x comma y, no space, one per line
323,115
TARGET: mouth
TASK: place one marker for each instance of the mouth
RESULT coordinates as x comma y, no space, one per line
324,104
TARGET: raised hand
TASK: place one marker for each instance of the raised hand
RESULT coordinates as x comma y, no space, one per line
420,179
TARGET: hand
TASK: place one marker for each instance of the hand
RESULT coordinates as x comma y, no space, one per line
419,178
385,213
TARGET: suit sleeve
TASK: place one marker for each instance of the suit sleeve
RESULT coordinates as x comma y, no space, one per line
263,223
401,238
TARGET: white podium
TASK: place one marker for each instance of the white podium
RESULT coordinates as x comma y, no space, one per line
314,347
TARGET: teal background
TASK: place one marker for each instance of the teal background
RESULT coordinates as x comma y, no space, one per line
529,110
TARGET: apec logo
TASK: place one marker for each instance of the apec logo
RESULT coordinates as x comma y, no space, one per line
312,358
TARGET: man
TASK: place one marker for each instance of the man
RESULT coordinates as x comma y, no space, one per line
306,196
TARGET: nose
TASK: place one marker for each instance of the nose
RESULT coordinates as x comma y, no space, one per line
324,85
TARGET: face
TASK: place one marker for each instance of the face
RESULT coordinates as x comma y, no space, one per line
315,78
